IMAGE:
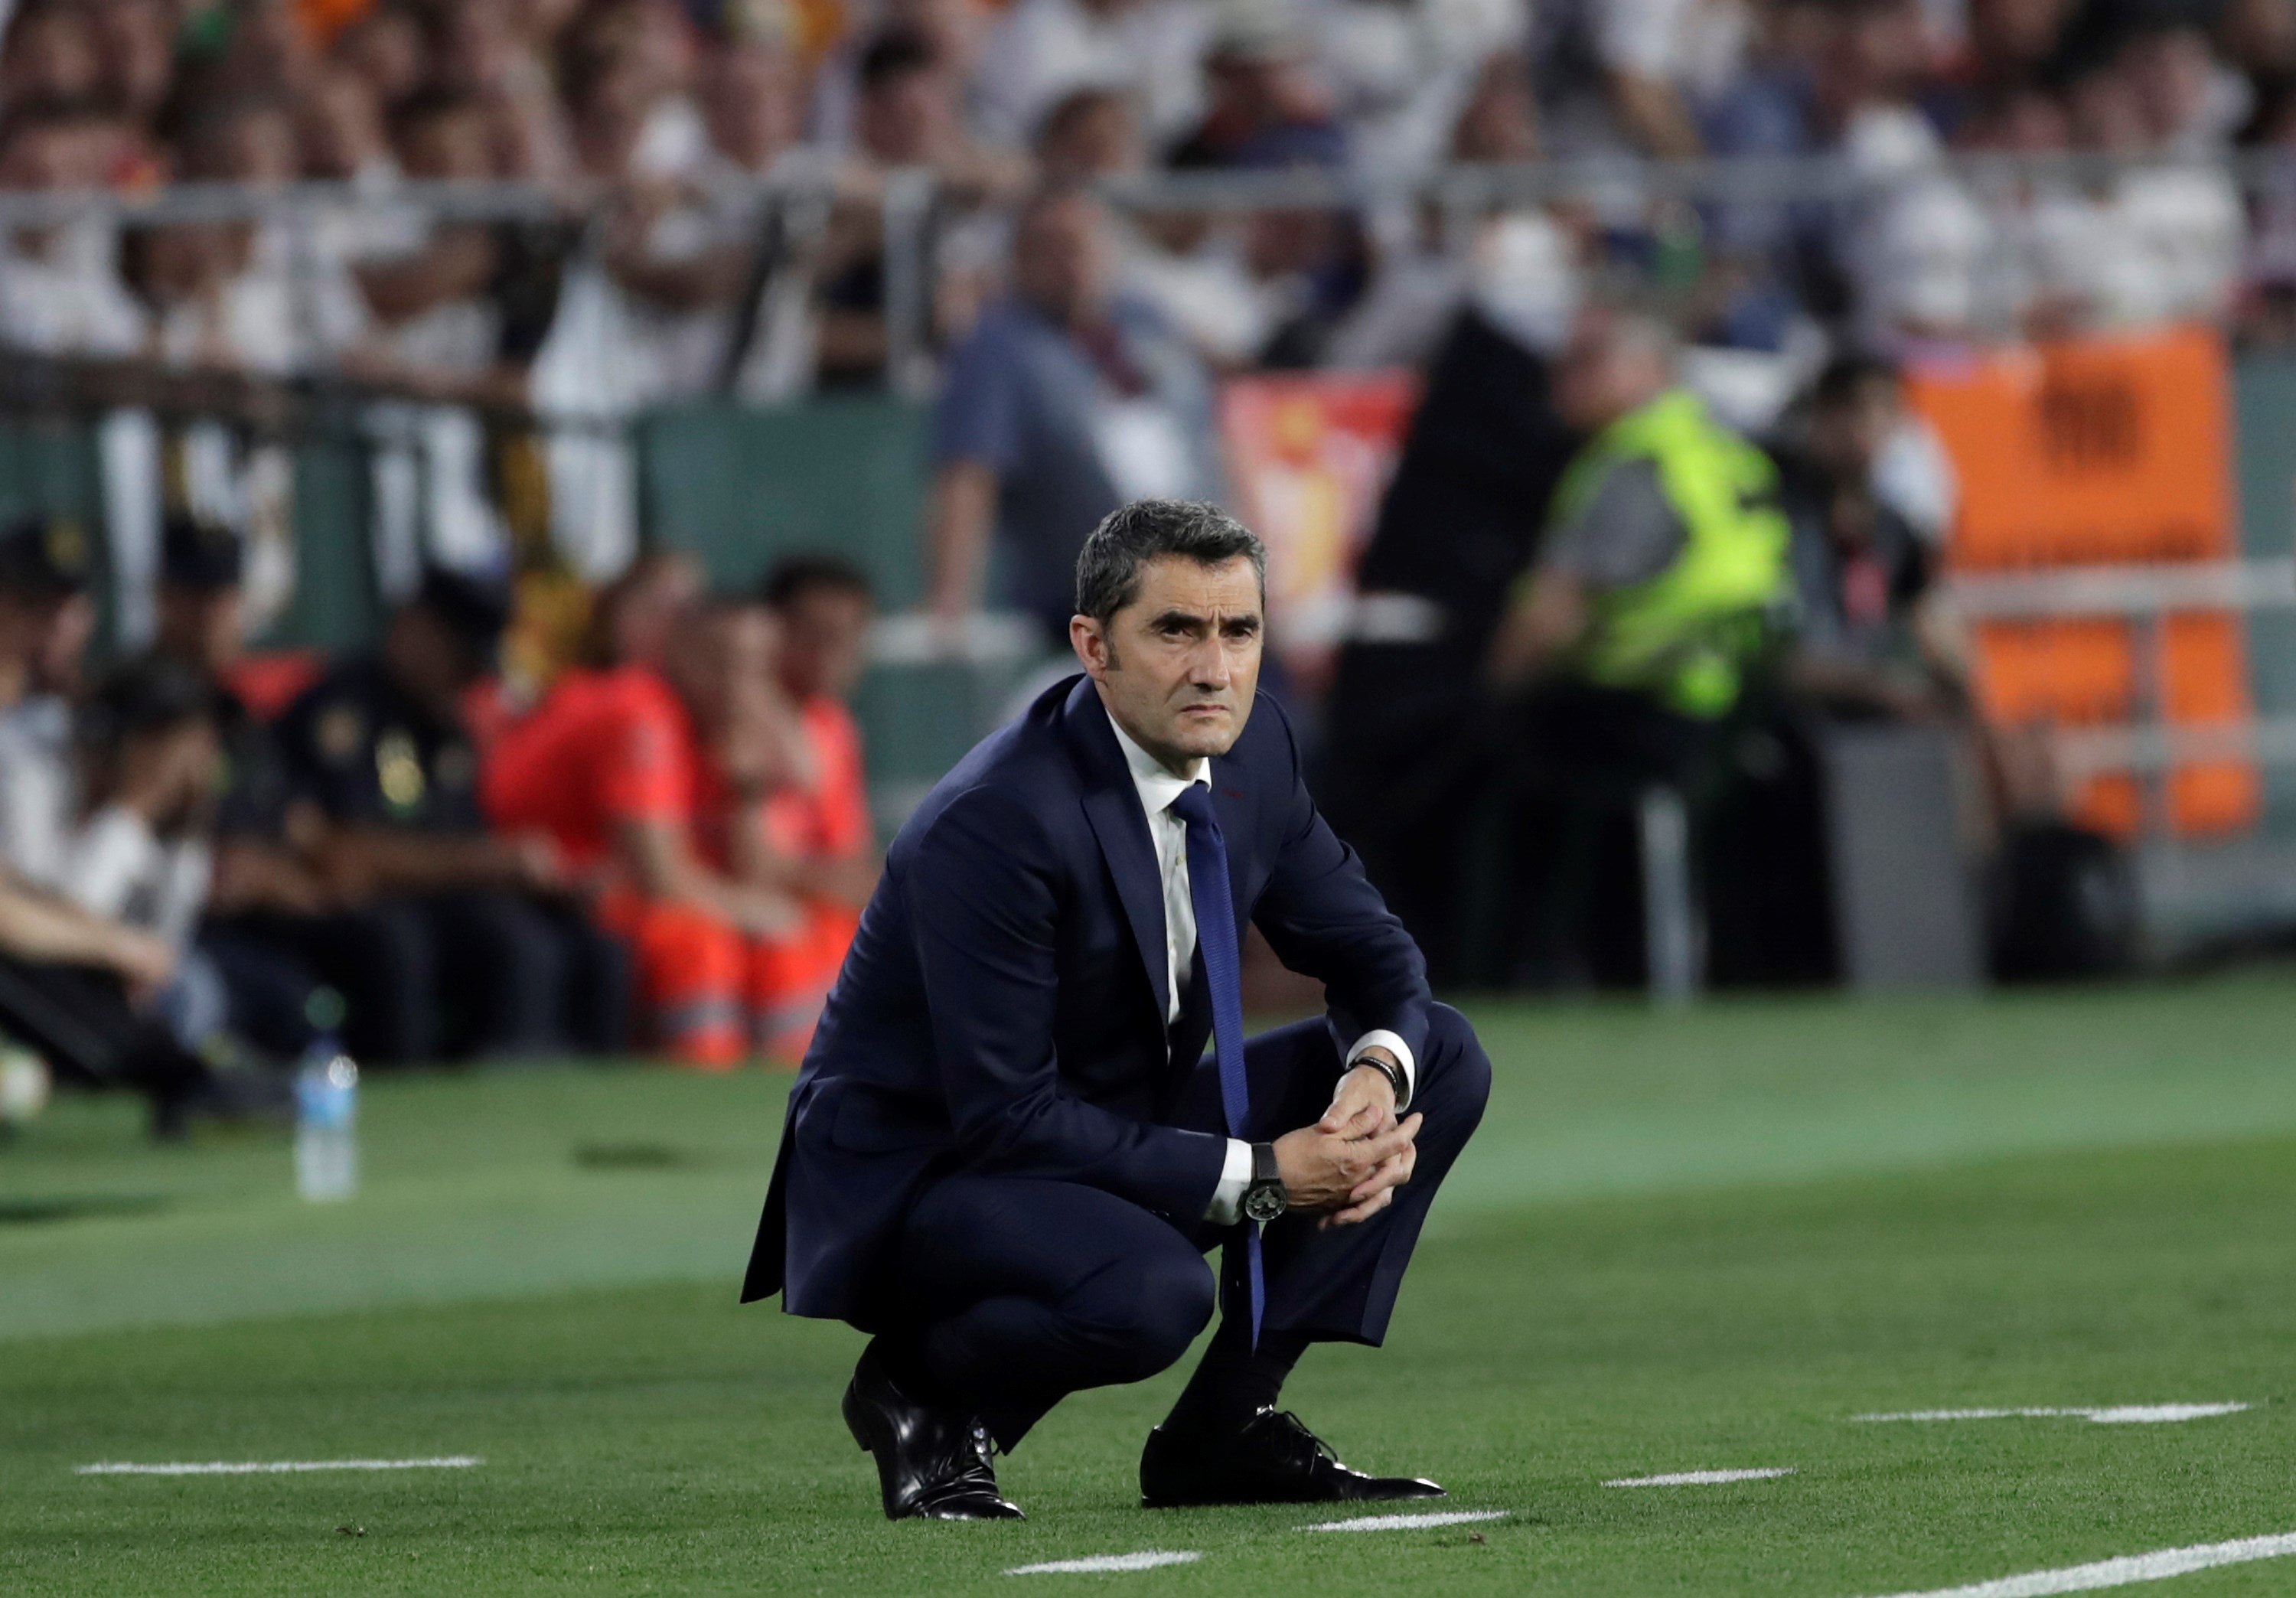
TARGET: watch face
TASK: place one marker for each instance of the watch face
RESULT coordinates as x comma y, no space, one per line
1265,1203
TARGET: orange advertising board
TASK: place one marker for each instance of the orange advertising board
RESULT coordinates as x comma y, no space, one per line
2102,452
2088,452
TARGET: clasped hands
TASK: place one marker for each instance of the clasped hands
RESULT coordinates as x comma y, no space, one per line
1346,1168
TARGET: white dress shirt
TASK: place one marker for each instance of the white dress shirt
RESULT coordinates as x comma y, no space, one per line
1158,786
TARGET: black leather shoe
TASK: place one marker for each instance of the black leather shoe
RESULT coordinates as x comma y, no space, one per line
1274,1459
932,1466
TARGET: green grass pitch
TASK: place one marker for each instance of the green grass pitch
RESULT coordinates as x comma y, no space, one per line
1689,1242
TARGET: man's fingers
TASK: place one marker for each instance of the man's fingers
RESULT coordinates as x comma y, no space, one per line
1356,1214
1391,1173
1358,1158
1388,1144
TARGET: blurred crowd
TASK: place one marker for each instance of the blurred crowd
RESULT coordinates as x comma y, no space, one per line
212,864
663,275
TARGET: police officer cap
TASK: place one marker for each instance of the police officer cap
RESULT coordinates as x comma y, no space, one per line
475,609
198,554
45,558
144,696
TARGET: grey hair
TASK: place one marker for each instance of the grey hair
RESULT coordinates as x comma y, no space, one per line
1108,568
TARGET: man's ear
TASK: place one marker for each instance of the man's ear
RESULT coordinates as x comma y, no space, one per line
1090,642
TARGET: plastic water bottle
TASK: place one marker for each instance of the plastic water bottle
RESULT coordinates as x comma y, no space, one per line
326,1124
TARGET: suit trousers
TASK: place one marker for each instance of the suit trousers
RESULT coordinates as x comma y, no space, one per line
1015,1292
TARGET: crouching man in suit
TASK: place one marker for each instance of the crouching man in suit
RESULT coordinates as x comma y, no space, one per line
1008,1152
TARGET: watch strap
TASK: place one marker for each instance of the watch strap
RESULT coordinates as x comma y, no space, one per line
1264,1167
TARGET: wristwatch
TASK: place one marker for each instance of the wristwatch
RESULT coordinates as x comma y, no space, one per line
1263,1198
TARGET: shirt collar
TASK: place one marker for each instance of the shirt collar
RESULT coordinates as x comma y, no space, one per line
1157,787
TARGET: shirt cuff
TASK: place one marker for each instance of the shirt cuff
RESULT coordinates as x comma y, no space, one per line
1401,1050
1226,1207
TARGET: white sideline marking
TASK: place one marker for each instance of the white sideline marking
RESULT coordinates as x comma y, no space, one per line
1703,1478
1147,1560
2123,1414
275,1467
2126,1571
1453,1517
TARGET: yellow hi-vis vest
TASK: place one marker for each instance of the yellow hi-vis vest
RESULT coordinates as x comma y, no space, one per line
1686,635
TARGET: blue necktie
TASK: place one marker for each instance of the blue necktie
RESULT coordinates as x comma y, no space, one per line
1215,907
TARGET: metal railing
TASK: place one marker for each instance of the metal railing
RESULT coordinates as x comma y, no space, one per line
907,200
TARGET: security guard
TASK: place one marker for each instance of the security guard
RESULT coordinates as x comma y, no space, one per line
503,960
1662,569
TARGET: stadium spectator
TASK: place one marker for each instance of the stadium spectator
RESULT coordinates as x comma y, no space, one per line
905,116
1630,75
1868,637
242,296
432,294
1179,262
1043,51
140,853
1068,398
136,47
501,959
86,989
722,284
105,798
1458,525
955,31
386,49
1402,74
69,986
1263,106
269,905
1522,265
60,287
47,619
52,59
817,824
646,769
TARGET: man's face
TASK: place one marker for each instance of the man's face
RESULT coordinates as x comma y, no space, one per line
823,637
1177,667
899,120
430,659
49,636
1601,375
1060,260
204,627
750,102
1848,436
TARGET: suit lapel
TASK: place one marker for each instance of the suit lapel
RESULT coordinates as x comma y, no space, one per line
1112,806
1123,833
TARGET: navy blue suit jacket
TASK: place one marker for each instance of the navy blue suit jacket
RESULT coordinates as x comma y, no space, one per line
1003,1008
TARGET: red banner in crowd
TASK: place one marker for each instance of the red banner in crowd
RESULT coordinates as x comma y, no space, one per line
1308,457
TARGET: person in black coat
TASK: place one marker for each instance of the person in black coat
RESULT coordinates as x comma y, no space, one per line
1411,741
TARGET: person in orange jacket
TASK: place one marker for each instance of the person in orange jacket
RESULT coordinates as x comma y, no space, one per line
639,766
